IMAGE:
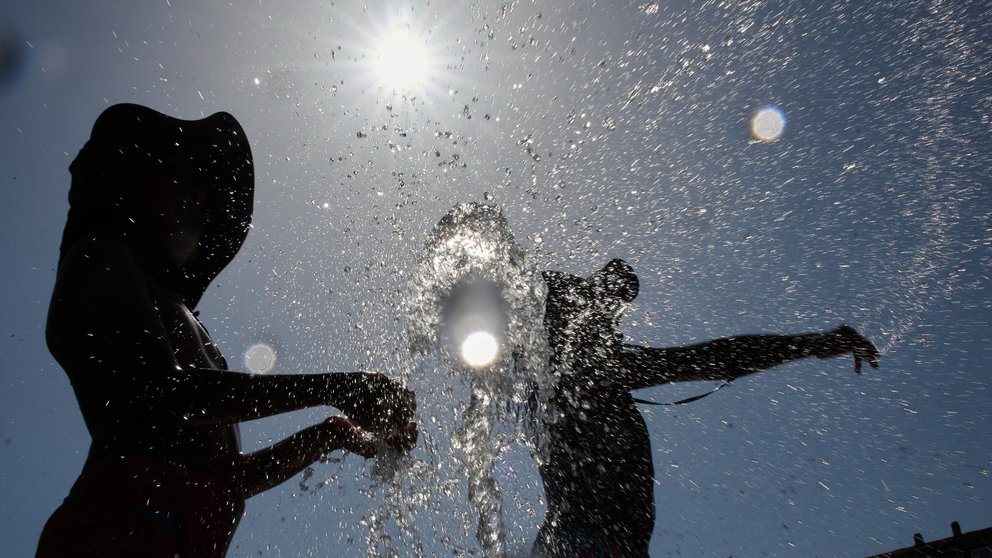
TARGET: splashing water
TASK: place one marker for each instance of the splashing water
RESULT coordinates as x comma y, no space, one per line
473,283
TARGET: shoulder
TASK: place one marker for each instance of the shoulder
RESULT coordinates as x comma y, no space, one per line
101,293
91,267
96,270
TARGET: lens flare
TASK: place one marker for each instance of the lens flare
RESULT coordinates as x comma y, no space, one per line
260,358
768,124
479,349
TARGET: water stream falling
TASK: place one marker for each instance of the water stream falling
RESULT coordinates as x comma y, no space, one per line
478,360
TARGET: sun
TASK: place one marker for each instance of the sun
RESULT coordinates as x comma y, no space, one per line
401,60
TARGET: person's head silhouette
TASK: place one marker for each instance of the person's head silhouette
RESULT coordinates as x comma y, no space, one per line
158,207
181,189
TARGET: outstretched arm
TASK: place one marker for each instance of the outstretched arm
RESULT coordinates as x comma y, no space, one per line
732,357
104,329
274,465
203,396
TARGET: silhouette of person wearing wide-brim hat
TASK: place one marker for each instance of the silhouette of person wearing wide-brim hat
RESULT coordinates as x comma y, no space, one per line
158,207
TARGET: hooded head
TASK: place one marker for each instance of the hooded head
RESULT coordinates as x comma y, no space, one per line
110,189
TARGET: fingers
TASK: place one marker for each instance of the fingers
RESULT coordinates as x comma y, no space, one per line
870,353
852,341
360,441
867,351
377,402
349,436
403,439
408,405
873,357
401,403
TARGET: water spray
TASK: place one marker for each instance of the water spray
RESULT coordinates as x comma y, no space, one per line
478,360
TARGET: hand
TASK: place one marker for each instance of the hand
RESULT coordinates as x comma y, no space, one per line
374,401
845,339
403,439
344,433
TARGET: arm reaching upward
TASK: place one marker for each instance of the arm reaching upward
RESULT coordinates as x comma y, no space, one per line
732,357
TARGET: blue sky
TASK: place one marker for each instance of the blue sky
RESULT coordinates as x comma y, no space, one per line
604,130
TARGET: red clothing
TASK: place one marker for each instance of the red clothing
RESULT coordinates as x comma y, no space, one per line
138,506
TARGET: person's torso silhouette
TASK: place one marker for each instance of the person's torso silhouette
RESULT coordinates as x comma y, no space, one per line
599,478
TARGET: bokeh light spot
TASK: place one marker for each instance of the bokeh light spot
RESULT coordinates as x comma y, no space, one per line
260,358
479,349
768,124
13,57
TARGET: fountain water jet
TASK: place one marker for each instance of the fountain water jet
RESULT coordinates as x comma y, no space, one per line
472,278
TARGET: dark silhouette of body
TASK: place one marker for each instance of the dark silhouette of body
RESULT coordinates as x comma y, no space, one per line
600,476
158,207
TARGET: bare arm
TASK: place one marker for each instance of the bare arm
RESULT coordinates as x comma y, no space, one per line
732,357
105,331
272,466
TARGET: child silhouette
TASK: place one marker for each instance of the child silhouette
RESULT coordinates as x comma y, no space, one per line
599,480
158,207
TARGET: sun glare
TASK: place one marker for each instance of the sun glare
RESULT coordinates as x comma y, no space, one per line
479,349
401,60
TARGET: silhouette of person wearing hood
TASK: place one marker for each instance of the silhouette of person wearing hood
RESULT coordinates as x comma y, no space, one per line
599,479
158,207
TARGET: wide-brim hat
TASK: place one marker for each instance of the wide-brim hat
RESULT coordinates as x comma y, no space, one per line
128,139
